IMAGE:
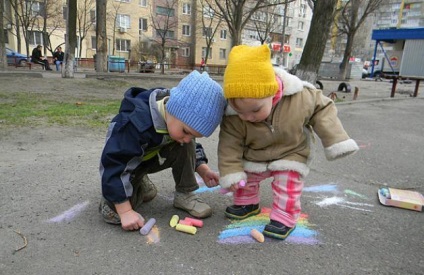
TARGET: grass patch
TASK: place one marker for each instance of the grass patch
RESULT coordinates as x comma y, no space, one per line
25,109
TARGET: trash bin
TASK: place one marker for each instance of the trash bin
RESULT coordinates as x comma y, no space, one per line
116,64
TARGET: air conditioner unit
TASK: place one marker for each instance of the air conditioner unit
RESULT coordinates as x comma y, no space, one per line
122,30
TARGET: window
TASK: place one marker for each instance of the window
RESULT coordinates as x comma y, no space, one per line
223,34
142,25
186,30
187,8
93,16
208,12
165,11
185,52
143,3
123,45
222,53
299,42
35,8
35,38
302,10
204,52
166,34
123,21
93,42
6,37
300,25
65,13
207,32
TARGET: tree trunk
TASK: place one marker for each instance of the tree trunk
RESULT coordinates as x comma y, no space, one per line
71,40
346,56
313,51
3,59
101,36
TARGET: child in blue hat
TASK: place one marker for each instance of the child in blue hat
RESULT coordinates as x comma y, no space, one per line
155,130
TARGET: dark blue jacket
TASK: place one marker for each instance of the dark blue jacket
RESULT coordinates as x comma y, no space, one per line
131,137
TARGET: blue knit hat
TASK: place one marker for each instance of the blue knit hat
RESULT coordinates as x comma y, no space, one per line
198,101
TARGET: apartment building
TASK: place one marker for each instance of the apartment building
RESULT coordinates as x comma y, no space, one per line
137,28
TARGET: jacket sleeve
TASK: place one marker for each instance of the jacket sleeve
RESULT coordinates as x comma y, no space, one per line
201,157
230,151
122,153
329,128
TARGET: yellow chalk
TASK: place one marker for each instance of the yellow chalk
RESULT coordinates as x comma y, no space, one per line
186,228
257,235
174,220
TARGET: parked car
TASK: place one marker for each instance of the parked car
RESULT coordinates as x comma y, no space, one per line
15,58
146,66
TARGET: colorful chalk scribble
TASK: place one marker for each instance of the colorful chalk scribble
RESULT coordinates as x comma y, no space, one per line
239,231
153,236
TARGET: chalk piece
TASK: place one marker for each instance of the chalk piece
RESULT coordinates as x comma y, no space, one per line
186,228
194,222
174,220
184,222
257,235
147,226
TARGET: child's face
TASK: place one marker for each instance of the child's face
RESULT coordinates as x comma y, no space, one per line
252,109
179,131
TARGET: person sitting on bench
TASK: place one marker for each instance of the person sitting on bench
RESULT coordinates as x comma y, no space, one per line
37,58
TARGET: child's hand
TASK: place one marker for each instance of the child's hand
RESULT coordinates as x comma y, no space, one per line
209,177
131,220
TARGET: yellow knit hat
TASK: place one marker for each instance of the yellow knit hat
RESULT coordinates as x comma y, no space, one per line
249,73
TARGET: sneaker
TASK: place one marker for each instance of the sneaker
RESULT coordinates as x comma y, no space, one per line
191,203
148,189
109,215
277,230
240,212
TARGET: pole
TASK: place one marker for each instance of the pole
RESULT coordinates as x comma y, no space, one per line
284,31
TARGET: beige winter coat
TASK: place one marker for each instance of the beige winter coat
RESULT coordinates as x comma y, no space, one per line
283,141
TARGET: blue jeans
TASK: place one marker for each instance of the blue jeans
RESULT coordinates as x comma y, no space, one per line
58,64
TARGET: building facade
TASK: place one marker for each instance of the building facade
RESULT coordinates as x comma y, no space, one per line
138,30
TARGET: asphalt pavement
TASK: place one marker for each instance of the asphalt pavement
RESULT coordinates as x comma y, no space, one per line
343,228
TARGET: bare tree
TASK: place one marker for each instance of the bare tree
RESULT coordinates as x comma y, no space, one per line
210,25
27,14
84,20
164,22
265,22
237,13
112,17
71,39
3,59
101,36
352,16
323,15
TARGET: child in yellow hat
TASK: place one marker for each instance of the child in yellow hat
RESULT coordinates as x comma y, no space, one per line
267,132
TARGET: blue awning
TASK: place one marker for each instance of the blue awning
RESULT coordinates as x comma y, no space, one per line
391,35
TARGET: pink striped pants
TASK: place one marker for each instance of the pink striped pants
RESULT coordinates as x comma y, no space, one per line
286,188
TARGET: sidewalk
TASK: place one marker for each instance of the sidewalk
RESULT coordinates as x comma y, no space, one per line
50,190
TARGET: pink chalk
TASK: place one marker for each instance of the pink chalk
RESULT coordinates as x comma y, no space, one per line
147,226
194,222
241,184
184,222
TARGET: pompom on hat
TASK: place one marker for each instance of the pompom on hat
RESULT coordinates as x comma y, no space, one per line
249,73
198,102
